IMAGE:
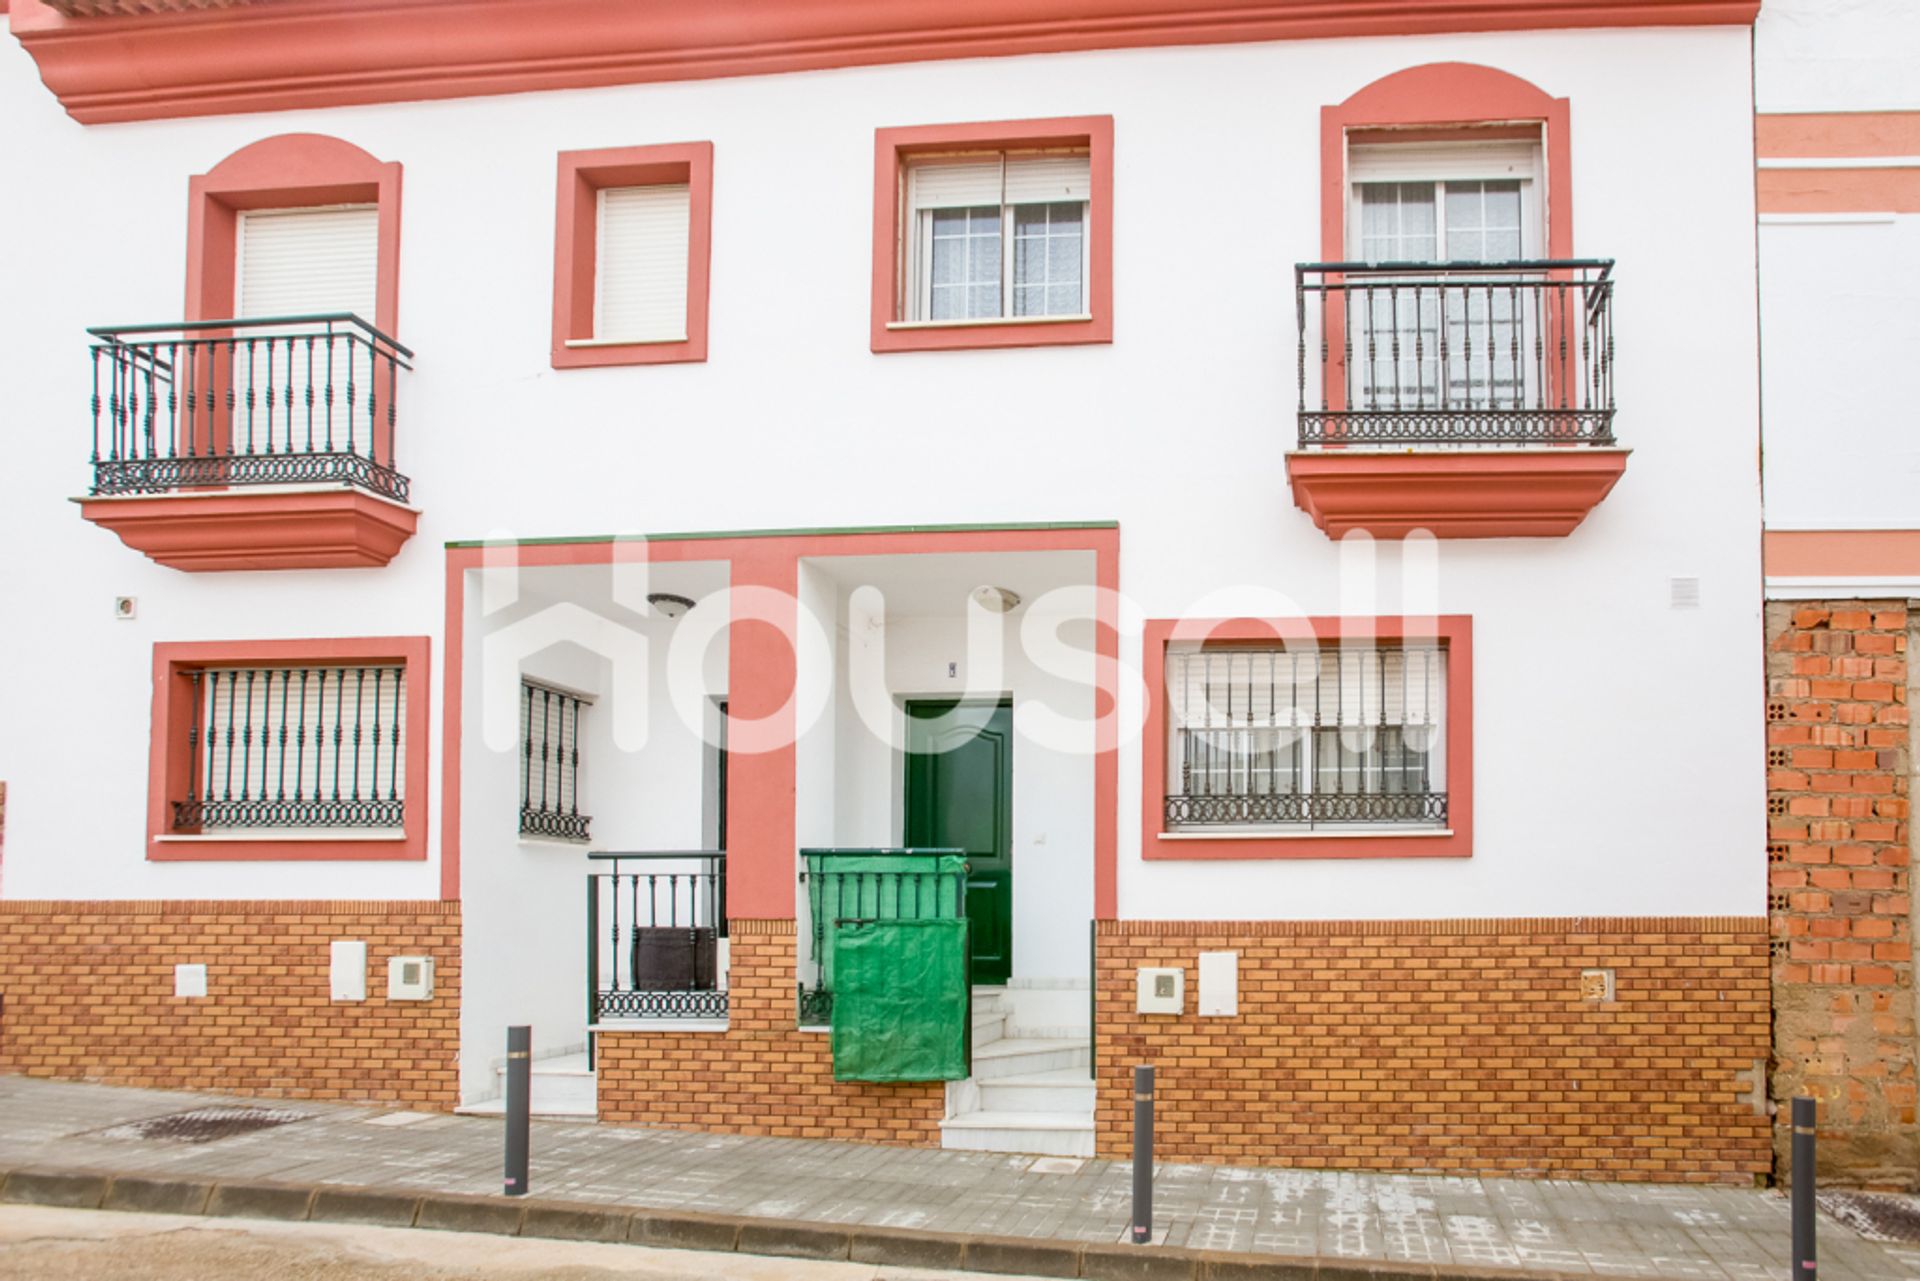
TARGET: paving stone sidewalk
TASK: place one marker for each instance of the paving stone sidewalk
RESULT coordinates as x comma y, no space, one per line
1406,1224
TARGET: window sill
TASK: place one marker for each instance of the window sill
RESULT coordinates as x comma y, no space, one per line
288,834
1321,833
991,322
577,344
554,843
287,848
1364,843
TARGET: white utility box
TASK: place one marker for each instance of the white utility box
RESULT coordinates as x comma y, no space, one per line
347,970
410,978
190,981
1161,991
1219,984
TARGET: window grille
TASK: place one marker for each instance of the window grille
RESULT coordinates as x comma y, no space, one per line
550,763
1345,735
296,747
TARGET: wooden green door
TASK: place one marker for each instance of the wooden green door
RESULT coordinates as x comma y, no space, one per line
959,795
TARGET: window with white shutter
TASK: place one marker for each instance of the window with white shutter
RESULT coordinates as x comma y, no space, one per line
997,235
640,269
303,262
1342,736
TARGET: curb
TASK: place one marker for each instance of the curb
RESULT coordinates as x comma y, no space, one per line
688,1230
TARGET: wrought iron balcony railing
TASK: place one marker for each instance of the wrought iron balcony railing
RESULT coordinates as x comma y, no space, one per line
1455,353
282,400
654,925
870,885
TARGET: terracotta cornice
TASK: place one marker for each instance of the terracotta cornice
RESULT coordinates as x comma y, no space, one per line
326,53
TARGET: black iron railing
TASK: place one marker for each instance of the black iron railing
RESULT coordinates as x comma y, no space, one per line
295,747
655,920
1452,353
550,764
283,400
869,885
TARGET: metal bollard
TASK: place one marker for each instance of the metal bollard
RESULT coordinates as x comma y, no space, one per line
1143,1154
519,1107
1804,1132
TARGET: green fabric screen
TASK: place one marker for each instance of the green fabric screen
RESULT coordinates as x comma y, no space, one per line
900,1000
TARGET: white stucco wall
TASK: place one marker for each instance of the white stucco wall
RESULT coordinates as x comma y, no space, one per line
1619,744
1836,55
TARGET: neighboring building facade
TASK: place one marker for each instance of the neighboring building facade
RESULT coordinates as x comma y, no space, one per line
1837,91
771,437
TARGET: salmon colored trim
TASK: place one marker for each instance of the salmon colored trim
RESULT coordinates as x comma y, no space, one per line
760,803
288,171
1836,134
1839,190
258,529
1532,493
329,53
1446,98
1453,631
1842,553
893,147
173,710
576,245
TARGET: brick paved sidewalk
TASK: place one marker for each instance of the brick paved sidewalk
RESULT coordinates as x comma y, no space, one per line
1402,1225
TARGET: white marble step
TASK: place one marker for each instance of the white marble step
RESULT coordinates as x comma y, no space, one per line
1016,1056
1039,1133
562,1086
1066,1090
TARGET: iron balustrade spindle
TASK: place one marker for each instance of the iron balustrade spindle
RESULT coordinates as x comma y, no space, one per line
248,731
841,885
218,403
1493,356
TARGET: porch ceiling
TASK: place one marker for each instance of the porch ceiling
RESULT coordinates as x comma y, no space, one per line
938,585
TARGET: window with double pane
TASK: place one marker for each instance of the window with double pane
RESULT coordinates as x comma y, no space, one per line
997,236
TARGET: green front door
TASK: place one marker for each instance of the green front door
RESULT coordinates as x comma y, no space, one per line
960,796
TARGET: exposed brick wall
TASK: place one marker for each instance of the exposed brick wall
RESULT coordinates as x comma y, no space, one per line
88,995
762,1075
1838,765
1449,1045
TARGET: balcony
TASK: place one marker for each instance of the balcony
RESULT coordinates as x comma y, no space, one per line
656,936
250,443
1471,400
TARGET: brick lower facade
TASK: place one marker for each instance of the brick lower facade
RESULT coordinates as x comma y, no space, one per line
762,1075
86,993
1839,764
1458,1046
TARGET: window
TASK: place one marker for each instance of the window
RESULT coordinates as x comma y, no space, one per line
965,213
631,249
993,235
550,763
299,262
1309,738
1301,738
288,749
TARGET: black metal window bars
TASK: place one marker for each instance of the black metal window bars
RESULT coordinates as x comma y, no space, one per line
550,763
280,400
295,747
1455,353
654,923
1342,736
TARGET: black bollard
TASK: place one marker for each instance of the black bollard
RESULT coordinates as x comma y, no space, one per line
1804,1130
1143,1154
519,1107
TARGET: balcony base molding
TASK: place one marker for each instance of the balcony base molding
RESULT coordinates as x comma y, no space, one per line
227,530
1521,493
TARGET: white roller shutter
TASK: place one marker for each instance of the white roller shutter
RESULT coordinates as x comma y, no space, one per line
1033,180
299,262
640,265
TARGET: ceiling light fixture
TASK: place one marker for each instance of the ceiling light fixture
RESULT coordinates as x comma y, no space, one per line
998,600
668,604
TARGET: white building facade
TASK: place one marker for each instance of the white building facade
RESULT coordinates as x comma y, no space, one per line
1250,489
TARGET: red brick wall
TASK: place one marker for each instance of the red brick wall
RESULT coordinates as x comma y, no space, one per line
88,995
1449,1045
762,1075
1838,765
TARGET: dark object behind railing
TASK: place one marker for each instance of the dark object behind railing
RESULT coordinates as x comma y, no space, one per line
871,885
294,747
654,921
1456,353
281,400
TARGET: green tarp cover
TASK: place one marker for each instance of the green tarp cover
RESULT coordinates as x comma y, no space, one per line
900,1001
887,887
